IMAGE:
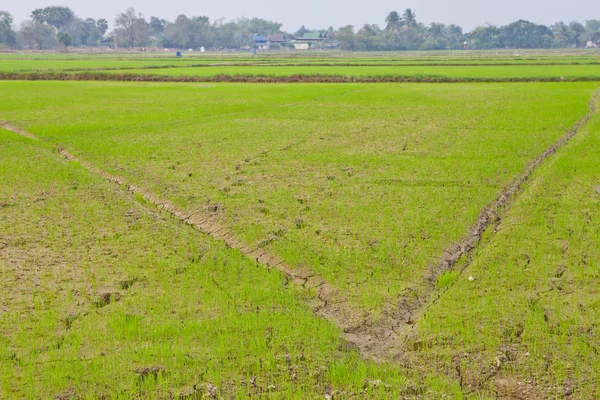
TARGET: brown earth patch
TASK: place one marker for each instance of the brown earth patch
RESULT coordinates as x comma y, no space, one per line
296,78
398,322
12,128
325,64
326,301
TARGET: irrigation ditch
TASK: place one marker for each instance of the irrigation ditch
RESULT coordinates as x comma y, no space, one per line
296,78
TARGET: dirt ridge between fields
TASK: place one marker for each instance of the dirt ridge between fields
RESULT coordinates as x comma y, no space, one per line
325,301
9,127
295,78
319,64
396,327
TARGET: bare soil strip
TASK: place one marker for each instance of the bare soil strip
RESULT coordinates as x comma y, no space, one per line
348,64
8,127
325,301
383,338
298,78
396,327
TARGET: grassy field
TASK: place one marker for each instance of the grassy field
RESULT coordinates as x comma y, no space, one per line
532,310
104,296
90,63
345,147
453,64
361,190
26,65
512,71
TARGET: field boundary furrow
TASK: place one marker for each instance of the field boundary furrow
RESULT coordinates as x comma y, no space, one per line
417,303
395,327
14,129
293,78
325,301
276,64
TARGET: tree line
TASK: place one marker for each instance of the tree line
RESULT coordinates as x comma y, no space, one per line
54,27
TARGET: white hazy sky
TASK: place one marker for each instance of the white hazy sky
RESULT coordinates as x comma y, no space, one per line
325,13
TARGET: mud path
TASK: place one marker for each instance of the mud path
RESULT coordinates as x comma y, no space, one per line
324,300
8,127
397,325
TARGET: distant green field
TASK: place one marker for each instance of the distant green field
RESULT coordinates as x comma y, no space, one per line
106,63
12,65
380,71
362,64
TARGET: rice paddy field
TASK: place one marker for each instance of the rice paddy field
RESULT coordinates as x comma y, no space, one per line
509,71
300,240
582,65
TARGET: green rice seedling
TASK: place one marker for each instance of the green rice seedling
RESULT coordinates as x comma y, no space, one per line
368,183
102,297
375,71
530,315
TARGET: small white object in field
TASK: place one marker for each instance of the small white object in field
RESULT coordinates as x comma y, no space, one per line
471,279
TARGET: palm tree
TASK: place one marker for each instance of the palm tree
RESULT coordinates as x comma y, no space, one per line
409,17
392,20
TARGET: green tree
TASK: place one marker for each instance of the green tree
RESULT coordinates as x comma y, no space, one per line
563,36
58,17
579,33
102,25
409,18
369,38
84,32
435,37
392,21
132,27
454,36
345,37
65,39
260,26
485,38
592,28
7,35
157,25
526,35
36,35
188,33
592,25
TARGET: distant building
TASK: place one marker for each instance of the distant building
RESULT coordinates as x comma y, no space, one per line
261,42
304,42
301,46
280,39
309,39
312,37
